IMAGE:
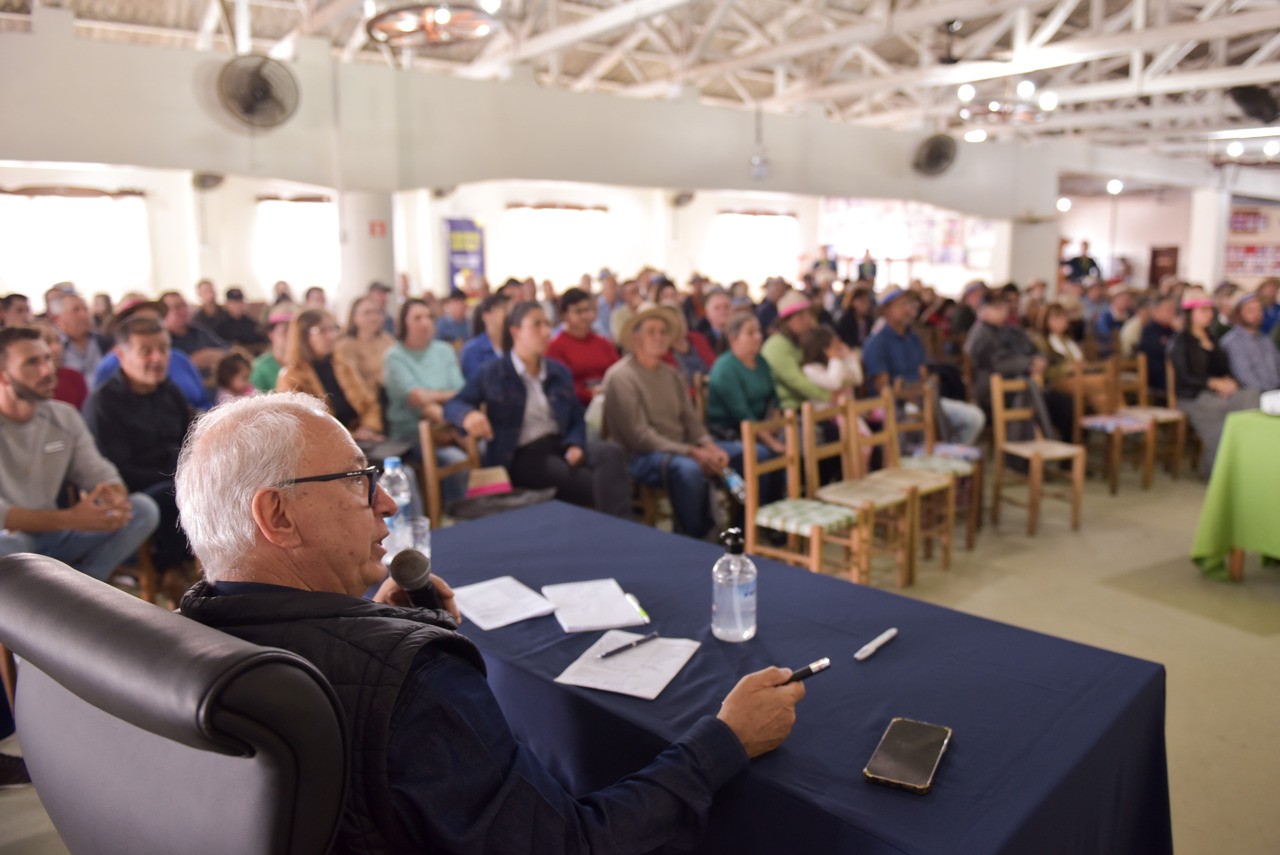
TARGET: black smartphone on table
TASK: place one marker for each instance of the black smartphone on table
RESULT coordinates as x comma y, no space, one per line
908,755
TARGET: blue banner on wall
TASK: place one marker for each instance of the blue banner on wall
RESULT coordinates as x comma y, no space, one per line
465,249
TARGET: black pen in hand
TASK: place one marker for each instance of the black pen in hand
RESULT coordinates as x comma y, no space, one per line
809,670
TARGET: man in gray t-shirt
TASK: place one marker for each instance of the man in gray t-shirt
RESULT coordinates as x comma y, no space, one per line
44,444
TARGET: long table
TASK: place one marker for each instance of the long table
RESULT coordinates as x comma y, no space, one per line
1058,747
1239,511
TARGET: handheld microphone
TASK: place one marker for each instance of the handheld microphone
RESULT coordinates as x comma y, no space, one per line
412,572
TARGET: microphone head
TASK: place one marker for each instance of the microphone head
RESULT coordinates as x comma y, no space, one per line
411,569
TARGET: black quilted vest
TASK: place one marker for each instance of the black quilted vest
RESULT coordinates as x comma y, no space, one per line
366,651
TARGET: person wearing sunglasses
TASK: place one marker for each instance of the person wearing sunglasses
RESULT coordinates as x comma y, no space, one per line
288,521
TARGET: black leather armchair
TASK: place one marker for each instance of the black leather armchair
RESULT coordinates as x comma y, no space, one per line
145,732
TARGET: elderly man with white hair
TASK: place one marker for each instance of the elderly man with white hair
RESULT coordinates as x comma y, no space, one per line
287,518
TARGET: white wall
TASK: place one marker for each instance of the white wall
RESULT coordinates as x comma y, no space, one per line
1142,223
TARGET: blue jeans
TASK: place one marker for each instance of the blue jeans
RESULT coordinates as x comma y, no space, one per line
687,487
965,420
94,553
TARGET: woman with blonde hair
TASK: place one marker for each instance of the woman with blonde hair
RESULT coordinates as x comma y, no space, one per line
366,343
312,365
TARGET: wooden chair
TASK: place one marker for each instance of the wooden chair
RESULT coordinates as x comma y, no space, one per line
433,473
817,522
700,396
892,505
1036,452
1163,417
8,674
960,461
933,492
1114,426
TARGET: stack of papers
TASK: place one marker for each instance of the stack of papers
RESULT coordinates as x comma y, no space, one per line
499,602
589,606
642,672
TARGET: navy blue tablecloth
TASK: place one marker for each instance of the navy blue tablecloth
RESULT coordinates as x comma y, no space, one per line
1057,747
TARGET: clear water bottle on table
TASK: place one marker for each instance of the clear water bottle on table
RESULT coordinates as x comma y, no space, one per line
733,581
395,481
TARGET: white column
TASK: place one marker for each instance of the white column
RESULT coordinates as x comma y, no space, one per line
367,253
1210,215
1033,252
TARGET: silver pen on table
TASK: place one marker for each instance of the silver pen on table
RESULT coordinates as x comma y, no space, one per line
876,643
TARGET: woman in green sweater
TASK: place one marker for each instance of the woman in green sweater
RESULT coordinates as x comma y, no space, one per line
785,356
740,386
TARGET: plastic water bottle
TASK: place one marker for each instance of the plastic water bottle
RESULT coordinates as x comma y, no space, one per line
396,482
735,484
733,599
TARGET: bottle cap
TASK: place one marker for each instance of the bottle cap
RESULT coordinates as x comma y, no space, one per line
391,463
733,541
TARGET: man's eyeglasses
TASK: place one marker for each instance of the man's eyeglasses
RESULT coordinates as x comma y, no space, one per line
370,475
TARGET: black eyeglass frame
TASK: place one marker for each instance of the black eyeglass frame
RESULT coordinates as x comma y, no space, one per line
371,473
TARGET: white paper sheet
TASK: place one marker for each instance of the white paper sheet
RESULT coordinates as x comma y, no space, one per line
642,672
500,602
590,606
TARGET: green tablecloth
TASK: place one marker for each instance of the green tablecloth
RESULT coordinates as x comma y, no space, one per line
1242,505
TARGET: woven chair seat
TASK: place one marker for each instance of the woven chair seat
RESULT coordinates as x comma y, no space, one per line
951,450
1162,415
924,480
1118,423
942,465
799,516
1048,449
854,494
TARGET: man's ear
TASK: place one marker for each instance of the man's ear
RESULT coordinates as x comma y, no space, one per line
274,520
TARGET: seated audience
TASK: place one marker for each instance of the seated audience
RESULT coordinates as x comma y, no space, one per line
232,375
422,373
648,411
767,312
1163,324
486,335
689,353
208,314
741,387
713,326
829,363
71,387
610,298
434,764
578,347
966,310
783,352
311,365
204,348
549,303
1131,331
632,295
740,295
1254,357
366,342
1270,308
1054,342
182,371
534,423
235,325
314,298
15,311
102,311
266,366
895,351
82,348
1109,321
1202,373
45,444
380,294
854,324
452,328
1224,297
1093,302
139,418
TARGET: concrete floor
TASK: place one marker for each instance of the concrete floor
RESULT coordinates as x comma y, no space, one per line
1124,583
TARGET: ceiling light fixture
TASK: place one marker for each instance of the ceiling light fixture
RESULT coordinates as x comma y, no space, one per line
1026,88
1064,204
1048,101
1235,148
435,24
966,92
1272,148
1115,186
975,135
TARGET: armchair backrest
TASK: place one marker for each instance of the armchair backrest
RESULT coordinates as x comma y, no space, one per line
145,731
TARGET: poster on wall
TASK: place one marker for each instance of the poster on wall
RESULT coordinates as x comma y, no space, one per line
464,240
1261,260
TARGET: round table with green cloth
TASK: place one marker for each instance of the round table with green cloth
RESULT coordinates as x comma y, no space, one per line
1241,510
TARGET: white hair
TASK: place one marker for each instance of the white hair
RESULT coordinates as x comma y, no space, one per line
230,453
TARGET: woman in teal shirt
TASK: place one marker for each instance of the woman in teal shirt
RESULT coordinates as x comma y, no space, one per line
740,387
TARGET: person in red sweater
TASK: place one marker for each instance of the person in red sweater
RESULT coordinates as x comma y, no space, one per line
585,353
72,388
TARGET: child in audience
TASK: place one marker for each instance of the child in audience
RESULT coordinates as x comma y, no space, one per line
829,362
232,375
